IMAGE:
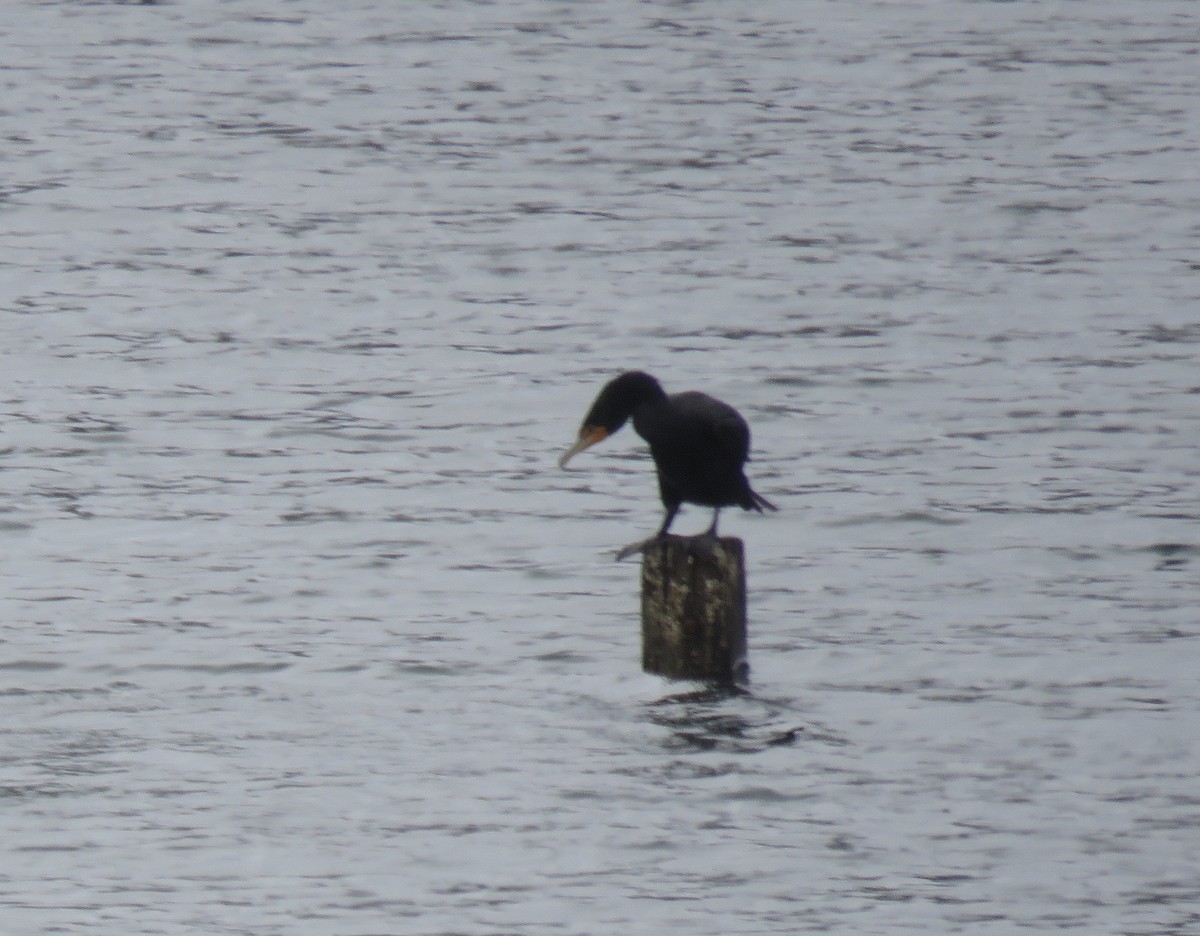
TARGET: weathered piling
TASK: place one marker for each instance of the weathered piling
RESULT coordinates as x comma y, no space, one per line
694,609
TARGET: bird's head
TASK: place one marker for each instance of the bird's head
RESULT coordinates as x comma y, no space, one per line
612,407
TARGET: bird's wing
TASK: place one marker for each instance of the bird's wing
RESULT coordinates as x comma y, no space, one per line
719,421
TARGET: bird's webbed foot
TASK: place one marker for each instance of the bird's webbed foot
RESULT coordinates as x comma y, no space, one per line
703,545
640,546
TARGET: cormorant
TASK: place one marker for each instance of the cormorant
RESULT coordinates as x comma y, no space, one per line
698,443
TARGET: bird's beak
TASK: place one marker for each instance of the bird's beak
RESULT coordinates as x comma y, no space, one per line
588,436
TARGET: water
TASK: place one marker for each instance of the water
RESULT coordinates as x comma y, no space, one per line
303,631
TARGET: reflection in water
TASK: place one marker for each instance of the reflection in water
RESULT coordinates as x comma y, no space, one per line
731,719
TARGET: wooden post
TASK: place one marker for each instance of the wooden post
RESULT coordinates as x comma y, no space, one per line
694,609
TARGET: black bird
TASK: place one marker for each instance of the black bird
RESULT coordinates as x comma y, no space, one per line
698,443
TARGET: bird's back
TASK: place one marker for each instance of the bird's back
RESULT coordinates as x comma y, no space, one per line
699,445
715,425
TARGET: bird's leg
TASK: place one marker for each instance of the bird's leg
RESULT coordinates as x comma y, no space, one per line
672,510
705,544
642,545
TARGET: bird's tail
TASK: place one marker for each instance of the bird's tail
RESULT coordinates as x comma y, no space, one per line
757,502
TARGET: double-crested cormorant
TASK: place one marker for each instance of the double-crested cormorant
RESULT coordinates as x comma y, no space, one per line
699,444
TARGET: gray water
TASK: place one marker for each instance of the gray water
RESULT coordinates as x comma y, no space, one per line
304,632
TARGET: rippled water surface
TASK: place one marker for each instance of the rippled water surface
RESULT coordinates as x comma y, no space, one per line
303,631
